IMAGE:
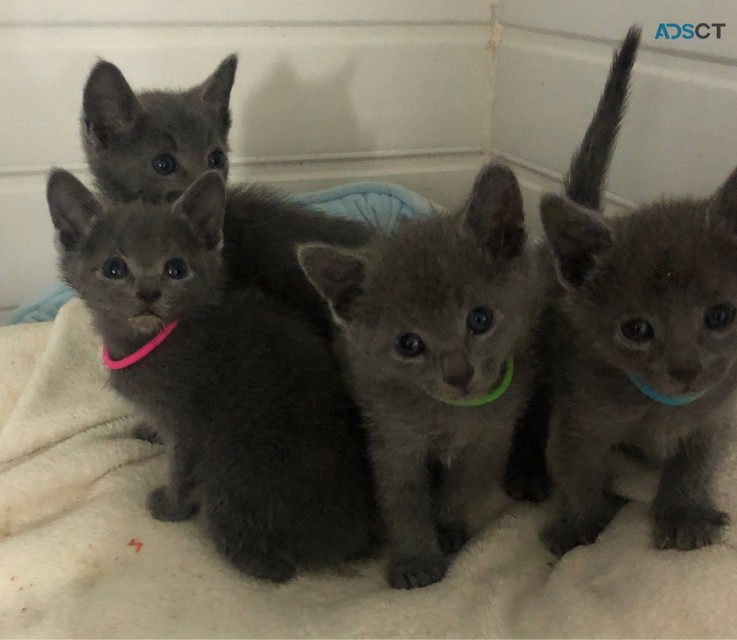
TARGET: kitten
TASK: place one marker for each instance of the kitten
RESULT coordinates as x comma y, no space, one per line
436,321
646,348
152,145
526,476
262,430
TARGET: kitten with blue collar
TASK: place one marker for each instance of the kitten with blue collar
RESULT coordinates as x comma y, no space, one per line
645,352
262,432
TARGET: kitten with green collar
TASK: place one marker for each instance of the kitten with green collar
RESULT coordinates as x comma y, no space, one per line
262,432
436,327
645,350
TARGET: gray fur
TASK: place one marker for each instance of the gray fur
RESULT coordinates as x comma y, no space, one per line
670,263
264,438
425,278
123,132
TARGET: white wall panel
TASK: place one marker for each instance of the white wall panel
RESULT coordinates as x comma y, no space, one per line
331,91
608,19
678,135
298,90
251,12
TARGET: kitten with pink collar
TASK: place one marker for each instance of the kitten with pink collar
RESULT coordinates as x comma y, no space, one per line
265,441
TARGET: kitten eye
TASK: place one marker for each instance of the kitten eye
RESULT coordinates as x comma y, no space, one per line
637,330
176,268
115,268
216,160
720,316
479,320
410,345
165,164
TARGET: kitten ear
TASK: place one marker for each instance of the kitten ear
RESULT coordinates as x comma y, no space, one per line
337,274
723,207
576,236
73,208
109,106
215,91
203,205
493,212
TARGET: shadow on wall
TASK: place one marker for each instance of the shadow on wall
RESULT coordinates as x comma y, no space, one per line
289,114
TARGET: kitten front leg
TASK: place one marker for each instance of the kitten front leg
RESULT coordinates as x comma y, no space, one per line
404,495
147,433
173,502
448,506
684,513
579,464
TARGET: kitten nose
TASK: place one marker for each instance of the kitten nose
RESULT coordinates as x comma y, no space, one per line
459,378
685,374
148,295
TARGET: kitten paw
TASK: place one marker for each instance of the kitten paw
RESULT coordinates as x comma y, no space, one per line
451,537
144,432
162,506
273,568
530,483
413,573
569,532
689,528
564,535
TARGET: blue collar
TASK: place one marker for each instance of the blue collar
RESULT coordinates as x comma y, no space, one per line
662,398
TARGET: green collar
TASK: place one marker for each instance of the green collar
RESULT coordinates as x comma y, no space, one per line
490,397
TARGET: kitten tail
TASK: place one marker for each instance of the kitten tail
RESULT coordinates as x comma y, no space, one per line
585,181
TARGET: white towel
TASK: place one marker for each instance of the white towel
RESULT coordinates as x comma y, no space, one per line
80,556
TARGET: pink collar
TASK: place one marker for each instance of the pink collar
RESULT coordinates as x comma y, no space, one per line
141,353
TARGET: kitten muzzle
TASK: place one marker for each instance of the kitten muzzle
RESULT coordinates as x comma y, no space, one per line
493,395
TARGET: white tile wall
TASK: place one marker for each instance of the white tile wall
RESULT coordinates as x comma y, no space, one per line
327,91
330,91
680,131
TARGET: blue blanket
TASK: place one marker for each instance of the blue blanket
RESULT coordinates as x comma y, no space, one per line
378,204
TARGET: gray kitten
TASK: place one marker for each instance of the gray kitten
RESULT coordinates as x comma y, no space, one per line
646,346
436,321
263,434
152,145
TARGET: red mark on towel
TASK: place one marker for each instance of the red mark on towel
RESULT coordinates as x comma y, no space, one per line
136,544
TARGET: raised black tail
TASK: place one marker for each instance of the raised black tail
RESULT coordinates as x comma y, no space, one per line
587,174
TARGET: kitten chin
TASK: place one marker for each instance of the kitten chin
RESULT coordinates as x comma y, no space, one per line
147,323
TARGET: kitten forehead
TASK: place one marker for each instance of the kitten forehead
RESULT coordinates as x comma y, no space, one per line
180,115
668,249
144,232
427,266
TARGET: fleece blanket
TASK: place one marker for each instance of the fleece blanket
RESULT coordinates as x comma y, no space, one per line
80,557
